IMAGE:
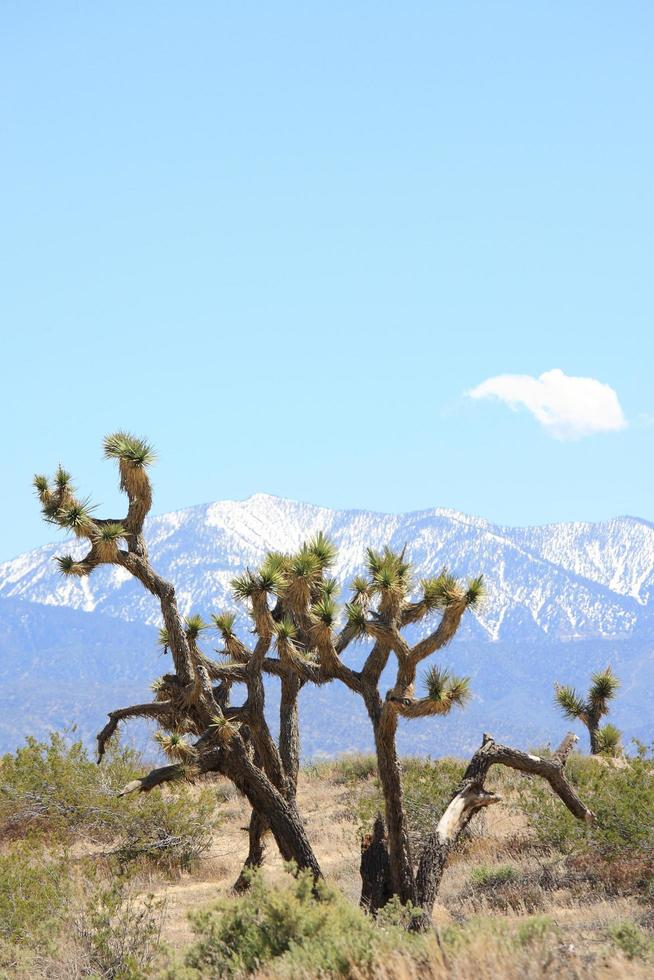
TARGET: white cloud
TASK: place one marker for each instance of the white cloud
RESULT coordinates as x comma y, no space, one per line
566,407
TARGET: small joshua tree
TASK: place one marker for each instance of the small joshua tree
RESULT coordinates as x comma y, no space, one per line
300,638
591,710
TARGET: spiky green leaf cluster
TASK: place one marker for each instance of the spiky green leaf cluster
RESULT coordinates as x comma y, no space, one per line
69,566
325,611
322,549
225,623
356,618
444,687
329,588
437,591
609,739
76,516
273,572
285,629
570,702
388,570
113,531
62,478
604,686
194,626
305,565
360,588
41,484
175,746
163,639
127,447
243,586
475,591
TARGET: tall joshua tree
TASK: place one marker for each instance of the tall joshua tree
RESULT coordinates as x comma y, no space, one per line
299,638
603,688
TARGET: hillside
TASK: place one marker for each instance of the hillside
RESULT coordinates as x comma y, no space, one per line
562,600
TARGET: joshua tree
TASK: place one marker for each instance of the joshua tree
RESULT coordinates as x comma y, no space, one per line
297,637
604,685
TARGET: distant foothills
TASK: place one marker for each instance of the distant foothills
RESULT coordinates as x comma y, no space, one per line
561,600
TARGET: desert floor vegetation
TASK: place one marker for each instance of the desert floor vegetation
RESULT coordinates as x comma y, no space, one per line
92,884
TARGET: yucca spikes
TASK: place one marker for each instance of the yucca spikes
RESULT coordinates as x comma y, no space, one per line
388,570
110,532
285,629
225,623
68,565
570,702
329,588
243,586
475,591
322,549
62,478
272,574
76,517
356,618
223,729
459,691
443,687
325,611
360,587
604,685
609,739
129,448
305,565
41,485
175,746
194,626
163,639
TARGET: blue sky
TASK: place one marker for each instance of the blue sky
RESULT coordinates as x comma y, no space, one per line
283,241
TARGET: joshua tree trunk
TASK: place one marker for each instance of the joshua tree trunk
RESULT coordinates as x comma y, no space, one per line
388,767
593,733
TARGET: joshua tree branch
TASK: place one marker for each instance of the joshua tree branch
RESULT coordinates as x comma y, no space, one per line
447,627
158,710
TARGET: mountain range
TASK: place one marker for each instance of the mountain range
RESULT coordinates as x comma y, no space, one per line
561,601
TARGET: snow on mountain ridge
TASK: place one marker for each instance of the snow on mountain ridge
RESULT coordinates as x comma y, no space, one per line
565,580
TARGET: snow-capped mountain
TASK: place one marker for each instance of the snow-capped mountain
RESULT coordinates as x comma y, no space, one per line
563,580
562,600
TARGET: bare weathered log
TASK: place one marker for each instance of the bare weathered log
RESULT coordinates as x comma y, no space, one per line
471,796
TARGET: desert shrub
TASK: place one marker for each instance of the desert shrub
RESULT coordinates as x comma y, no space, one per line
631,940
623,802
491,877
117,933
349,768
292,931
428,788
504,889
56,790
33,895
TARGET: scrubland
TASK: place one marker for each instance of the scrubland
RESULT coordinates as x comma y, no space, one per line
93,885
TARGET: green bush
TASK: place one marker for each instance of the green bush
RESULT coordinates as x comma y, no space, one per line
621,799
350,768
117,934
428,787
55,789
484,877
633,942
33,895
617,849
293,931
